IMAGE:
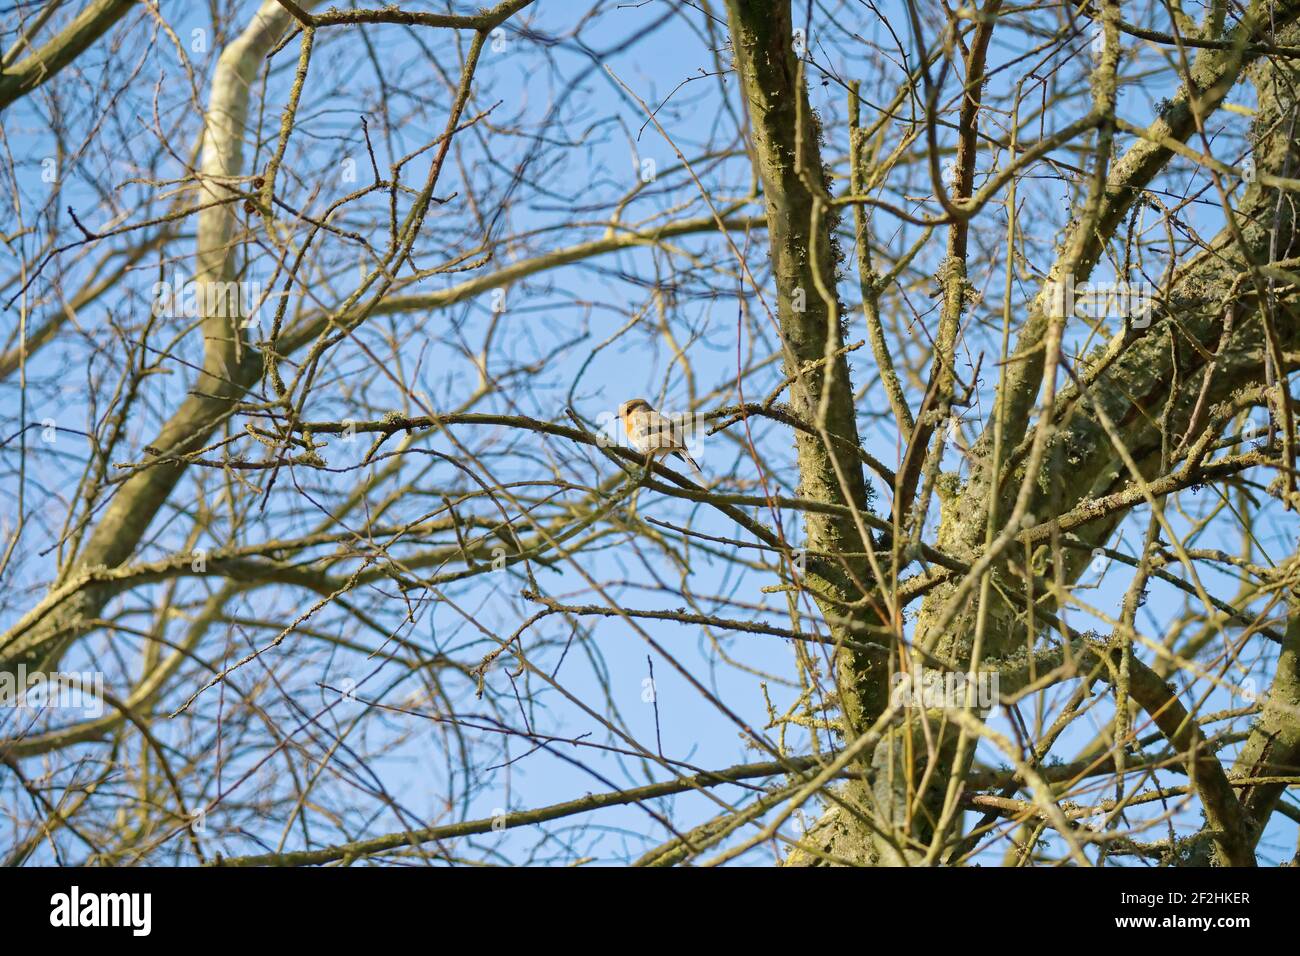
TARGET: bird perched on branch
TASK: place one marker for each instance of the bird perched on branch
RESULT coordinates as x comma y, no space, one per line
653,434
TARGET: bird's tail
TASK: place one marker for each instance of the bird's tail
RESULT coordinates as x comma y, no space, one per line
699,475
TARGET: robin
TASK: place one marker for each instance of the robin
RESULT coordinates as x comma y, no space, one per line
654,434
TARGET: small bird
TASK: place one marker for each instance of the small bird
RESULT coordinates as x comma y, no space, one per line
654,434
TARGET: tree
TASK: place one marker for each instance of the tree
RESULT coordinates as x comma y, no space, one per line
327,544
